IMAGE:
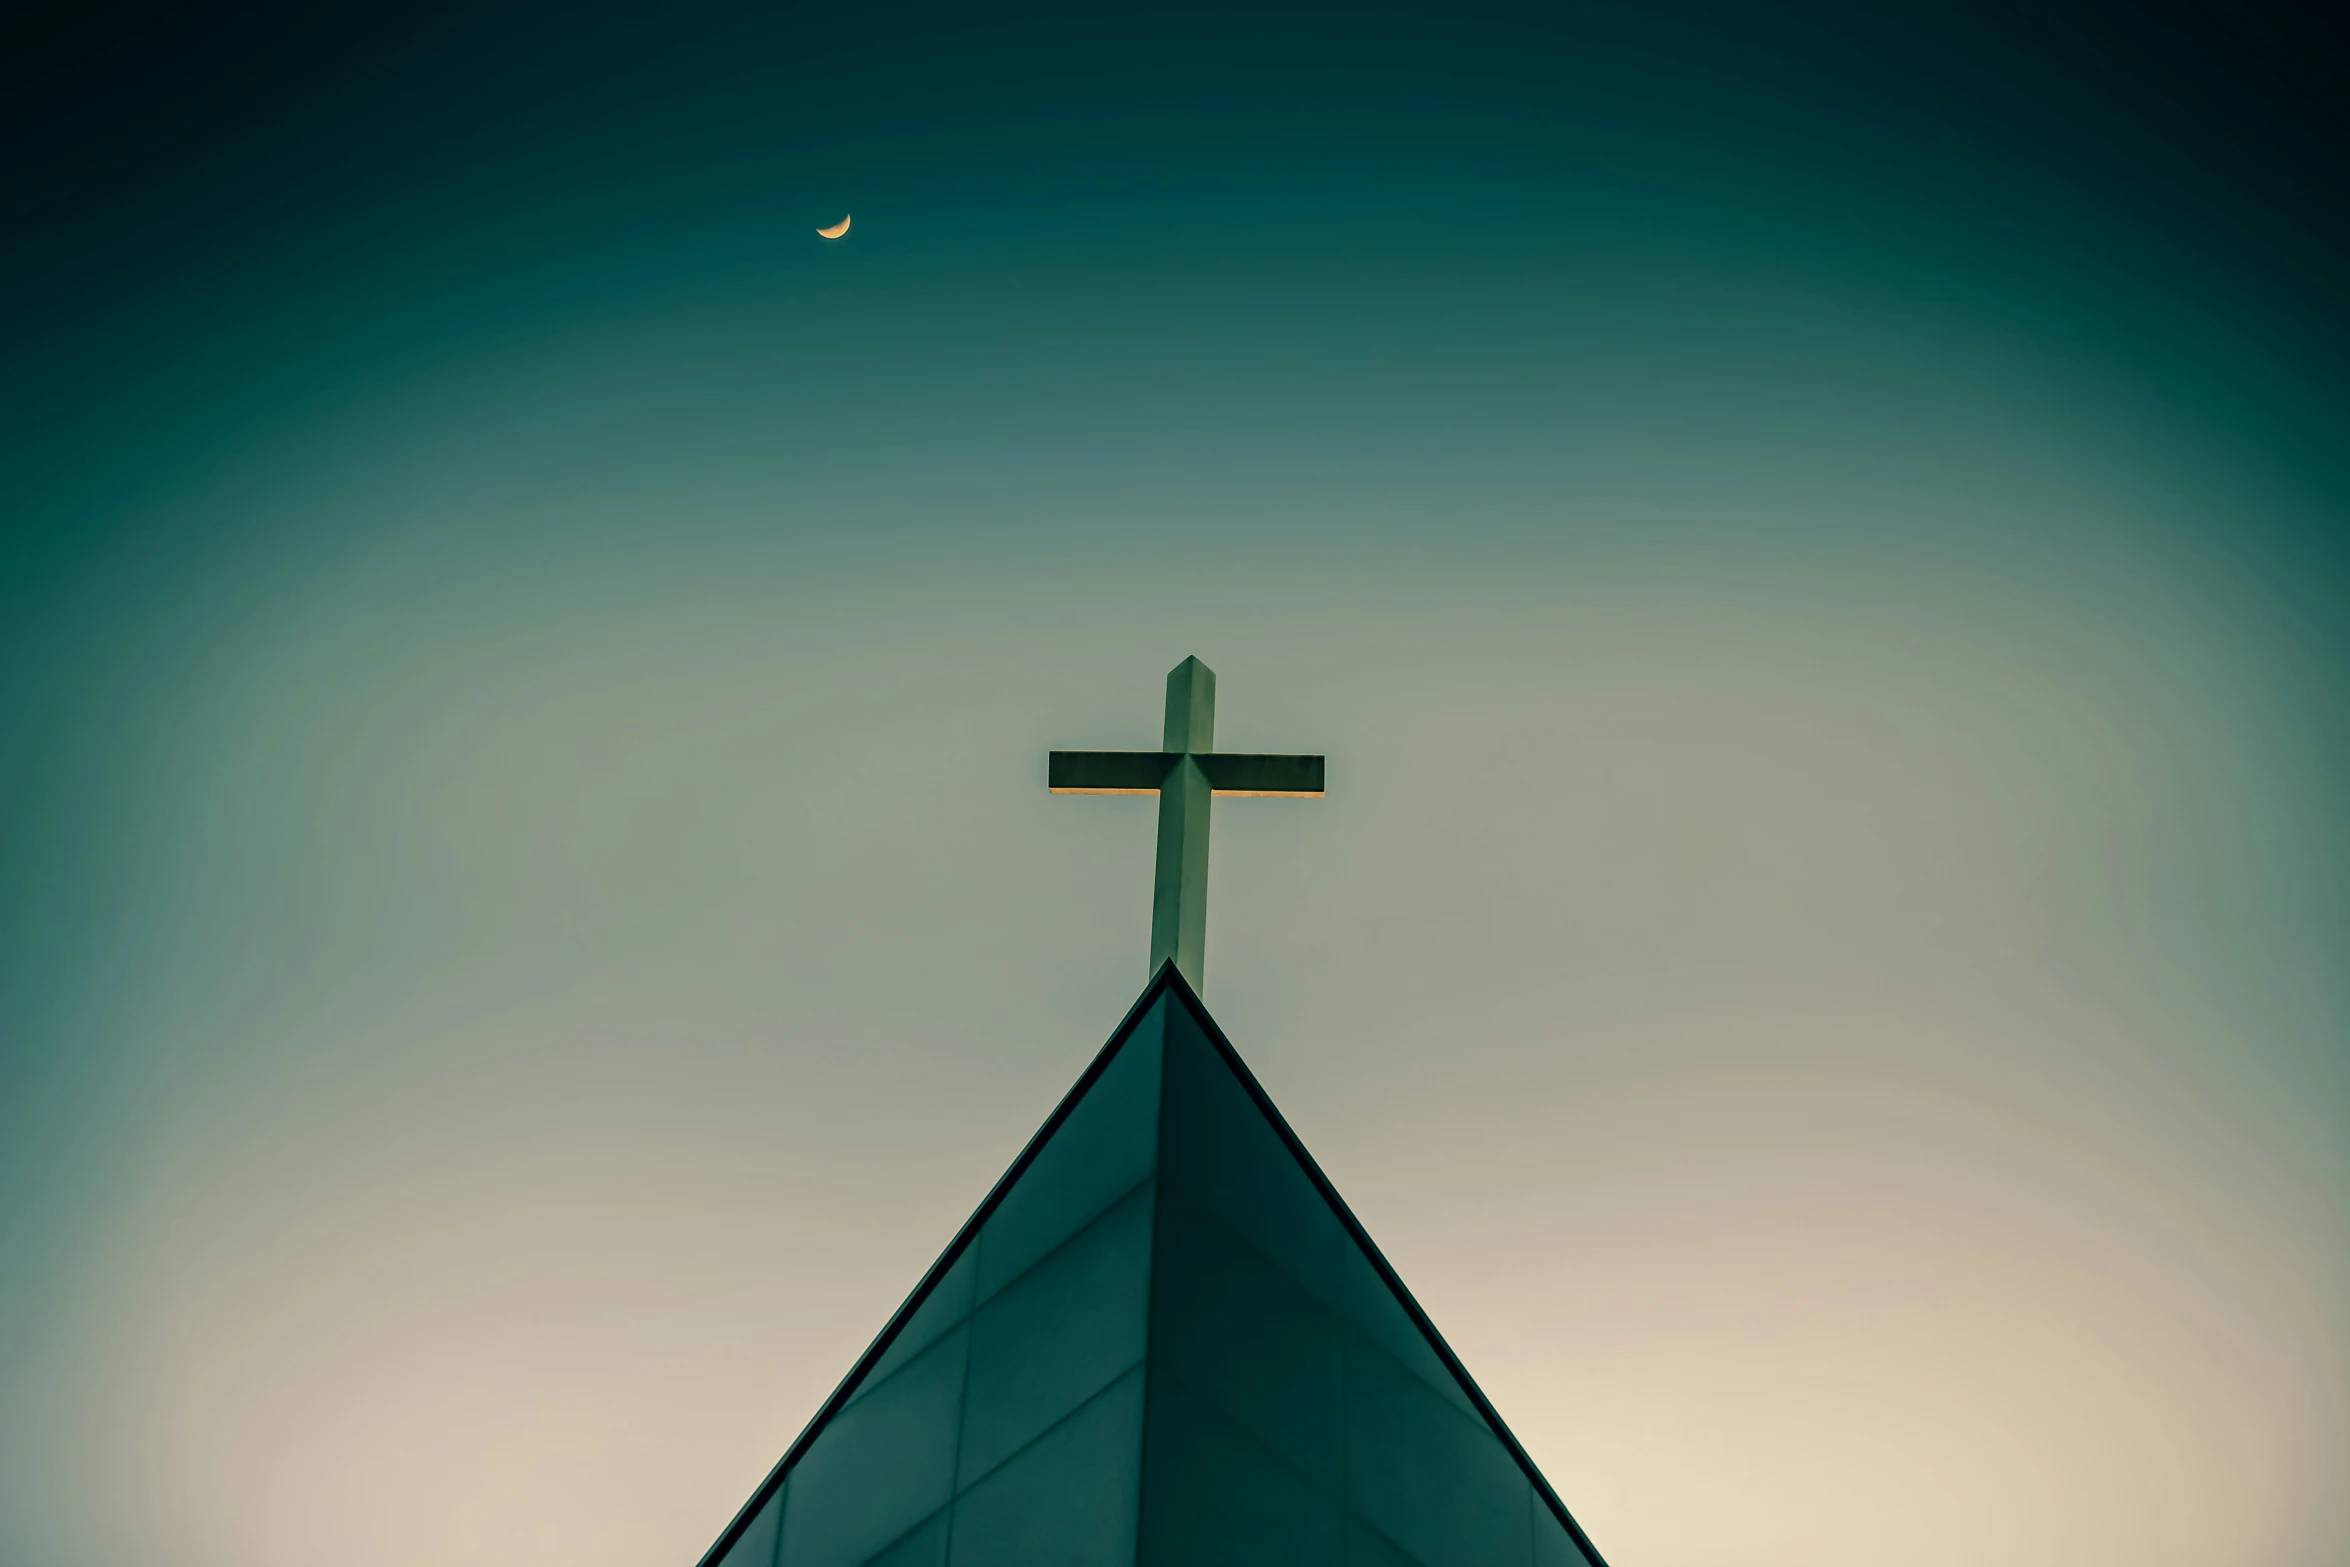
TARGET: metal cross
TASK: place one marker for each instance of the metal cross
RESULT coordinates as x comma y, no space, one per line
1185,776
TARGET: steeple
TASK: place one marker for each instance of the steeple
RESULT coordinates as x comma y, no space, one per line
1162,1341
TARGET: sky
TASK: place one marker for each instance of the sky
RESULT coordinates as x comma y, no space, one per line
1812,538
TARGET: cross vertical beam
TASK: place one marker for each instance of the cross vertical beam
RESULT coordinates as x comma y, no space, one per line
1179,889
1186,775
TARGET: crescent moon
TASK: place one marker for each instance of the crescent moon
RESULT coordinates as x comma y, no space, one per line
836,231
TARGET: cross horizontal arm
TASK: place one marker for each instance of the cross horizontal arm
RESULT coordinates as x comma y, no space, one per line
1142,772
1106,772
1296,777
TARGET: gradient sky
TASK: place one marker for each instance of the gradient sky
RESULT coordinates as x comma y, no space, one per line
1812,537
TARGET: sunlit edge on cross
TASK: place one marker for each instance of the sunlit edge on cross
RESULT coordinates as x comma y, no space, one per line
1186,775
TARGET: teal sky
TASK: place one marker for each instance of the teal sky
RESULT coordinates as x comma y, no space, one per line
1813,545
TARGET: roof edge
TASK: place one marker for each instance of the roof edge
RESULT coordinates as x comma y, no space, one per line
832,1406
1172,978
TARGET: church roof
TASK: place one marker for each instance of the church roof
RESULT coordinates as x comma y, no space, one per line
1163,1338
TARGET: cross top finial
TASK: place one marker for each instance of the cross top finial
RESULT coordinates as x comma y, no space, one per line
1186,774
1191,708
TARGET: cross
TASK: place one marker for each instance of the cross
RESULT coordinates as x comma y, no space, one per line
1185,775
